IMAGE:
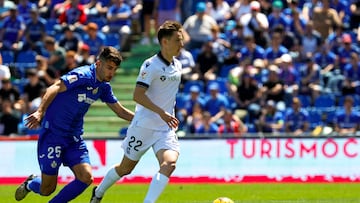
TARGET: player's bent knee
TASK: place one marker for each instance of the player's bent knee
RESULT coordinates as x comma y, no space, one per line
168,166
86,178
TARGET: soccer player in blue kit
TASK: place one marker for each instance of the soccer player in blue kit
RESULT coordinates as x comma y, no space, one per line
154,123
61,115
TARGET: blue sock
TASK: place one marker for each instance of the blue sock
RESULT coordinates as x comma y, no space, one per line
69,192
34,185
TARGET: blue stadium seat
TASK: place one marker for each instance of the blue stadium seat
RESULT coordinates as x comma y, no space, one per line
7,57
222,82
225,70
315,118
325,102
50,26
112,39
305,100
25,60
190,83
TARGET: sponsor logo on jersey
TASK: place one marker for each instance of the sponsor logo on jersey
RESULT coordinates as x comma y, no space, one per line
143,75
95,90
163,78
84,98
89,88
72,78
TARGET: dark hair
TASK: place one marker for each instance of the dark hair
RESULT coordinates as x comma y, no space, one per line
167,29
110,54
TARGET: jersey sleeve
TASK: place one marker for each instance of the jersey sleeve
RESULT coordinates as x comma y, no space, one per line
73,79
107,95
146,74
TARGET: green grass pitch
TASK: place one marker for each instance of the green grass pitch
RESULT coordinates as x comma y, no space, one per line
205,193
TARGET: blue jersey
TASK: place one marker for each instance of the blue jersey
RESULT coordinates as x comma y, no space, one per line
65,115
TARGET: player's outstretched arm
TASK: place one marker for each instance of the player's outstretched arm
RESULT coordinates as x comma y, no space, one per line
121,111
33,120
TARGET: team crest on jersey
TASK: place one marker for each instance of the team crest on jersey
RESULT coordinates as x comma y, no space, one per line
95,90
53,164
143,75
147,64
163,78
72,78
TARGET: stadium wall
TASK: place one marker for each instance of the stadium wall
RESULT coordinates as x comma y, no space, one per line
212,160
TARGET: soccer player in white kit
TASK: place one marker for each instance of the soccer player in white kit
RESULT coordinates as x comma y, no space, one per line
154,123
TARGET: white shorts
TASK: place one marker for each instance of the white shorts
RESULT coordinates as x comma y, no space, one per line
138,140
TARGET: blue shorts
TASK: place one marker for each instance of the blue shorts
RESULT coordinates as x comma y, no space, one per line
54,150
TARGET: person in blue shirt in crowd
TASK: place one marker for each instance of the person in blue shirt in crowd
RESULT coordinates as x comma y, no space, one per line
34,32
61,114
296,119
347,121
216,103
12,31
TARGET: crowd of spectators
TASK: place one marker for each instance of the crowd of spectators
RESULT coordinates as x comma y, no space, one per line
250,66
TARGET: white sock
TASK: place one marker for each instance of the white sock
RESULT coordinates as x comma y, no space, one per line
110,178
157,185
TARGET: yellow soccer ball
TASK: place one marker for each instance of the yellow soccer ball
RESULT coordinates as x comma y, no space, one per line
223,200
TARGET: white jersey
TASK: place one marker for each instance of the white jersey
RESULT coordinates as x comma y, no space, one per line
162,81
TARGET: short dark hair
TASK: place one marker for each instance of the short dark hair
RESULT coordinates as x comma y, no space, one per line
167,29
110,54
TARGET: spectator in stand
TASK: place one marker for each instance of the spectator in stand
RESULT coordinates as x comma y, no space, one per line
45,73
310,41
5,6
288,39
343,9
9,119
220,11
70,39
9,92
297,23
4,71
231,126
256,24
215,103
147,18
12,31
220,45
348,87
94,38
310,79
198,27
188,66
345,51
273,88
296,119
83,57
347,121
237,41
24,9
289,75
56,60
277,17
72,13
352,72
119,22
335,82
33,88
271,120
276,49
206,65
354,14
326,59
194,120
240,8
34,32
95,9
206,126
70,62
334,40
325,18
251,50
167,10
247,97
